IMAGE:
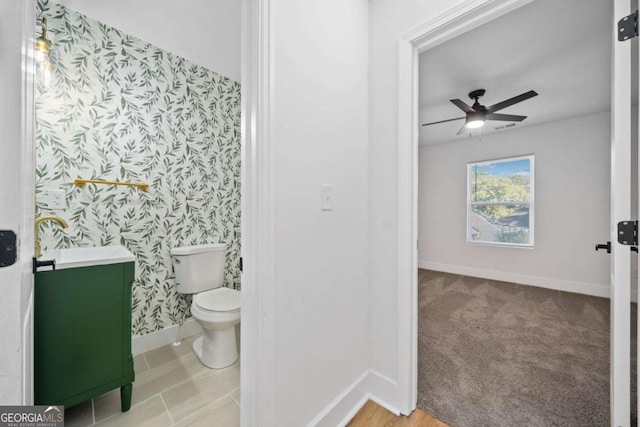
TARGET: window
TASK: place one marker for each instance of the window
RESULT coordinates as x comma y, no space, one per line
500,202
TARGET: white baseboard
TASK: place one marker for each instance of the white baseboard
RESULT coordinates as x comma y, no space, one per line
344,407
523,279
143,343
383,390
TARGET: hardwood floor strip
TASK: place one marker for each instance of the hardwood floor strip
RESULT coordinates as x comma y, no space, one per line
374,415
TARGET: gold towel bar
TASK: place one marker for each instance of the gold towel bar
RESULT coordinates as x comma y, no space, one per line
81,182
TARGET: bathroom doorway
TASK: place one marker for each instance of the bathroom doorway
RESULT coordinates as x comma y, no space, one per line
138,144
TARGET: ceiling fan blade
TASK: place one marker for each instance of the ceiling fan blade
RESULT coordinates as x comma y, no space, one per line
505,117
443,121
504,104
462,129
461,105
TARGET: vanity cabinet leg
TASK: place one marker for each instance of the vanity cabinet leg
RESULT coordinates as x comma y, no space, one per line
125,396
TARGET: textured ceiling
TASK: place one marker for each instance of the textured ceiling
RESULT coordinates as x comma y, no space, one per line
559,48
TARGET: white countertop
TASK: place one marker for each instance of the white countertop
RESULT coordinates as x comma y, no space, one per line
84,257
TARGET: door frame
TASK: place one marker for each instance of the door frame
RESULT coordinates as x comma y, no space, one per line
620,296
257,349
257,346
28,191
18,171
459,19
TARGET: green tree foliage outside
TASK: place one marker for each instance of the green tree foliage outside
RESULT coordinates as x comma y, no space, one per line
492,188
513,237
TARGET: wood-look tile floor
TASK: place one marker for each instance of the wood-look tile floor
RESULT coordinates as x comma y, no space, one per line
374,415
172,388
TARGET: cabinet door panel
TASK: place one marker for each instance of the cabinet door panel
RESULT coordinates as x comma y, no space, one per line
81,330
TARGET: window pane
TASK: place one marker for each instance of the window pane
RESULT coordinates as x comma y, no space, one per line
500,181
500,224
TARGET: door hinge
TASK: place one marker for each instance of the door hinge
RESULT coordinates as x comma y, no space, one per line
628,233
8,248
628,27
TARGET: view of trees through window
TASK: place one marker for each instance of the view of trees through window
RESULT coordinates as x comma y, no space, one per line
500,196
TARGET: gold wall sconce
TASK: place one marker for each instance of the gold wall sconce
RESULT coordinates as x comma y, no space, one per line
44,54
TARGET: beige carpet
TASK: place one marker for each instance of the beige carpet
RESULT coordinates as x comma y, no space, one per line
500,354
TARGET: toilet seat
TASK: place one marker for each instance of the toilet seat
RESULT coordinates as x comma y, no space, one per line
216,309
218,300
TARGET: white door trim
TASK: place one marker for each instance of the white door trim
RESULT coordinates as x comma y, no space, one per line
28,192
462,18
620,399
17,23
258,227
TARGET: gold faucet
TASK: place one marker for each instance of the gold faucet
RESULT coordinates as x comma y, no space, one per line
36,238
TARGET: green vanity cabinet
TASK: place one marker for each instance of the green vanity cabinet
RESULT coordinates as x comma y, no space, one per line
82,333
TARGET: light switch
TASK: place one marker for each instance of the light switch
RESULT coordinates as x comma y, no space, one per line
327,197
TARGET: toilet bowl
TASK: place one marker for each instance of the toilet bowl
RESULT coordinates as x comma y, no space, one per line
200,271
218,312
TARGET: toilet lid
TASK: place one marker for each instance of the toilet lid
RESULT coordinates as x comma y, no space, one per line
220,299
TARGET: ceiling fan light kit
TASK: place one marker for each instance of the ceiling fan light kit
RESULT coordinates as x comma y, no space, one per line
477,114
475,120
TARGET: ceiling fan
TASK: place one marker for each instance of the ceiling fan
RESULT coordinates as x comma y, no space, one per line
477,114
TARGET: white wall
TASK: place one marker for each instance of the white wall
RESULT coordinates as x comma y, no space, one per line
206,32
319,136
572,193
389,19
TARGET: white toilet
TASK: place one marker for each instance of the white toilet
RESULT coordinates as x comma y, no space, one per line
200,271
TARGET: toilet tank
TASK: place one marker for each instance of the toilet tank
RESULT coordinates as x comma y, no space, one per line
199,268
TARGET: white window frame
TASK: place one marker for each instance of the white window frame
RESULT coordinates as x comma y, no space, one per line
530,202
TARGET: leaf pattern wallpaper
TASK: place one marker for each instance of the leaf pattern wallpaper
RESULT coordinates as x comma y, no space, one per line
118,108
